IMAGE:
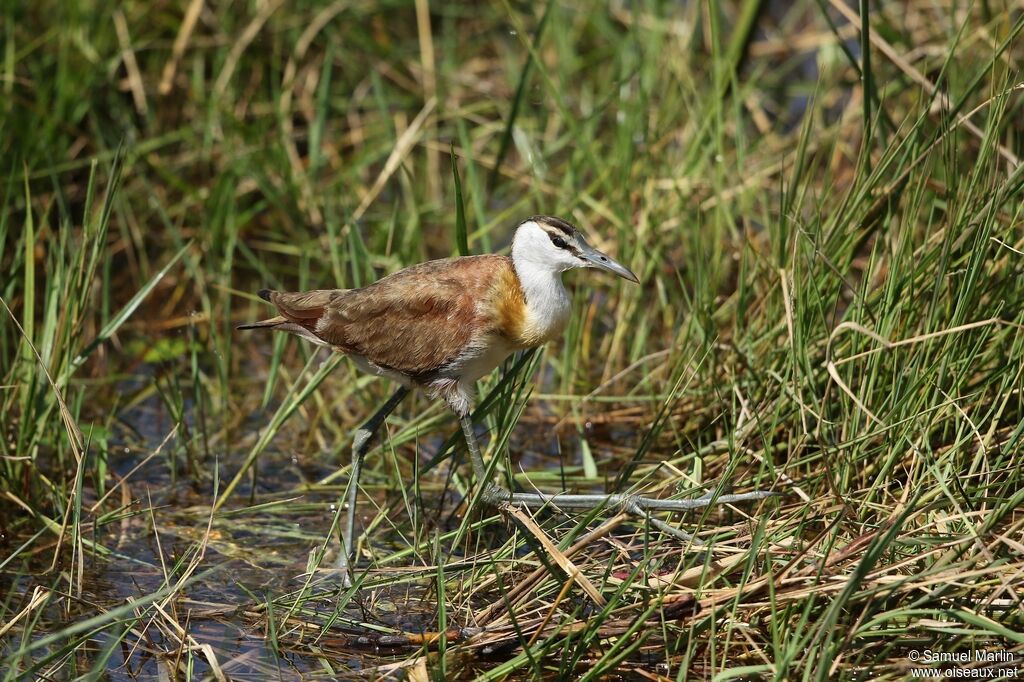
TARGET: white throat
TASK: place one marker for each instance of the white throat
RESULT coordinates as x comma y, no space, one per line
547,302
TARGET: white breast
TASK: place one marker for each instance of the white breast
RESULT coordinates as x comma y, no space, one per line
482,360
455,383
548,305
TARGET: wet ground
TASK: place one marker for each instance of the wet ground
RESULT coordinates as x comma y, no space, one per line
254,557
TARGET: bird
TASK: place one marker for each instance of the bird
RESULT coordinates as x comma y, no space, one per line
443,324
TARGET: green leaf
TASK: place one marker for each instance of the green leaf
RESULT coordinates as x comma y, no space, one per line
461,236
111,327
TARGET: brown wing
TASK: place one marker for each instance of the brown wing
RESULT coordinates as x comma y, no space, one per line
415,321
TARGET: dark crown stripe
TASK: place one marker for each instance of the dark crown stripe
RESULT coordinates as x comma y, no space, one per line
568,229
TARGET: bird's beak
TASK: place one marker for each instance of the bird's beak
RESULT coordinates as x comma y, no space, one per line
596,259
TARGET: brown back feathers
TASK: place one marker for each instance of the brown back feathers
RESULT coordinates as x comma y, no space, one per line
415,321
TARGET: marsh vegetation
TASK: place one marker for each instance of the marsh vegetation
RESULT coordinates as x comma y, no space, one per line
824,211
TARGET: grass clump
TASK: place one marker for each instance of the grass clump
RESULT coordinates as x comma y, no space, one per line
823,203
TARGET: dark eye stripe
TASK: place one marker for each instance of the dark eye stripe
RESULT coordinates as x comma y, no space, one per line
558,241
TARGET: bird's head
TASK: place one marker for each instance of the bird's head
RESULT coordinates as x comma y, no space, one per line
556,245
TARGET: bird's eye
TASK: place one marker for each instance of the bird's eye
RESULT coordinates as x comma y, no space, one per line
558,242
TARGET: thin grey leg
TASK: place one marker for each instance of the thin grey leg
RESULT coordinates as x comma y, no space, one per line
360,446
492,494
496,495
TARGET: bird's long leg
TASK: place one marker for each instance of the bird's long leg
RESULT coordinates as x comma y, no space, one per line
634,504
360,446
492,494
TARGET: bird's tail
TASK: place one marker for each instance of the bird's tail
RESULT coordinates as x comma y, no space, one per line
264,324
300,312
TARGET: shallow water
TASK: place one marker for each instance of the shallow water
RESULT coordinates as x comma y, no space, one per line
252,557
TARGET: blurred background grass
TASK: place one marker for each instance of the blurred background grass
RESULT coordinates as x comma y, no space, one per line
825,216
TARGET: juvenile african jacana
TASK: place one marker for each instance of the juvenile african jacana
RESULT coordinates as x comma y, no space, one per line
443,324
